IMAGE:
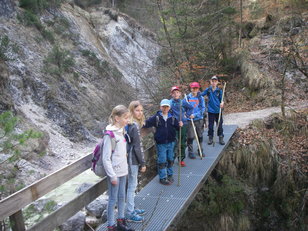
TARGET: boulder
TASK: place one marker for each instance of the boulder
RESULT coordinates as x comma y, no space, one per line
288,23
75,223
96,207
83,187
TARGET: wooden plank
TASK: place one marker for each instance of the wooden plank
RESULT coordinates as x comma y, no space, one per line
20,199
17,221
62,214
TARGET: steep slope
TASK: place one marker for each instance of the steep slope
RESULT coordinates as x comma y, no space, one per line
63,73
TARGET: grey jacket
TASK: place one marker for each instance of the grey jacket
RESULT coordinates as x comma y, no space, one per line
134,145
115,164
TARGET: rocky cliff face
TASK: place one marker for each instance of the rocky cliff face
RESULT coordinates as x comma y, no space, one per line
7,7
64,73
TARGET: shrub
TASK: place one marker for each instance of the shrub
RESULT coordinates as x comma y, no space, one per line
61,61
11,143
37,6
4,46
86,3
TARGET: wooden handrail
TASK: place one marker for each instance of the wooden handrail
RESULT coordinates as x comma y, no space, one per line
62,214
23,197
13,205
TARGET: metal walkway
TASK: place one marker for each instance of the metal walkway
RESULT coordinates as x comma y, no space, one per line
165,204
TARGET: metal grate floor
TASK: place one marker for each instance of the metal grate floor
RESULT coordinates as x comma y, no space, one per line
163,203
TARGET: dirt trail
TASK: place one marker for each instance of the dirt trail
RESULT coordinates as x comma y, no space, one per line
242,119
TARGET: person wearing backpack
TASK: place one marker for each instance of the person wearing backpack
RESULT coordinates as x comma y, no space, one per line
214,95
181,110
166,126
136,160
197,101
115,165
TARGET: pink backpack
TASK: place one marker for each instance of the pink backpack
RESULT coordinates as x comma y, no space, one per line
97,154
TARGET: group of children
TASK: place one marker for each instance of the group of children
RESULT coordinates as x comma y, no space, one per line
123,162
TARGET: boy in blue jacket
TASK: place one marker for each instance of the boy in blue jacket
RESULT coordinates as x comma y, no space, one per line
197,101
186,111
214,95
166,126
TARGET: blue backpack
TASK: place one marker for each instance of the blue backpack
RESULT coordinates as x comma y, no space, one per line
97,154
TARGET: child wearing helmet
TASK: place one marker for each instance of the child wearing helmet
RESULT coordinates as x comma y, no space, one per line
214,95
181,110
197,101
166,126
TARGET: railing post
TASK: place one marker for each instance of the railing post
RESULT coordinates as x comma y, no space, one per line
17,221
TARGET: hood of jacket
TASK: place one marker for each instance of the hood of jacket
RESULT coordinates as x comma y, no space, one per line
115,129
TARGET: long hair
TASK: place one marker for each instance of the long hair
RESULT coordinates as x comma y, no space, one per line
132,106
117,111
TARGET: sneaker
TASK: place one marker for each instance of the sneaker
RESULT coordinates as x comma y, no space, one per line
221,140
140,212
210,141
112,228
134,217
182,163
170,179
122,226
164,181
192,155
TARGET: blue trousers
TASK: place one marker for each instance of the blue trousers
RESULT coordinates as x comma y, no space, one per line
165,159
212,118
116,194
132,181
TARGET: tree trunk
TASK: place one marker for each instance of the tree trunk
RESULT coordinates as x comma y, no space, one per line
241,24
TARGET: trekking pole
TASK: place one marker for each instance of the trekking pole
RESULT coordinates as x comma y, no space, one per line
179,143
195,132
219,117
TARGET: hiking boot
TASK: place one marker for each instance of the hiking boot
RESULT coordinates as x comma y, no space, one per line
134,217
112,228
182,163
122,226
192,155
140,212
165,181
221,140
170,179
210,140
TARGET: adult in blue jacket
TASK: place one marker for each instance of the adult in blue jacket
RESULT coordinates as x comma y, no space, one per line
181,110
197,101
214,95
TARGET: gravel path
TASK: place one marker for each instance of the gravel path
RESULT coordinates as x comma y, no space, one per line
242,119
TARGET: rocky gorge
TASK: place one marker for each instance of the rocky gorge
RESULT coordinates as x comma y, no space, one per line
63,68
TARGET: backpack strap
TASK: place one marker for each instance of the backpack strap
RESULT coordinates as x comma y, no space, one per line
127,137
157,120
113,139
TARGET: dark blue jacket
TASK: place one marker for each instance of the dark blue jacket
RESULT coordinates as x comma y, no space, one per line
165,130
187,109
214,98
